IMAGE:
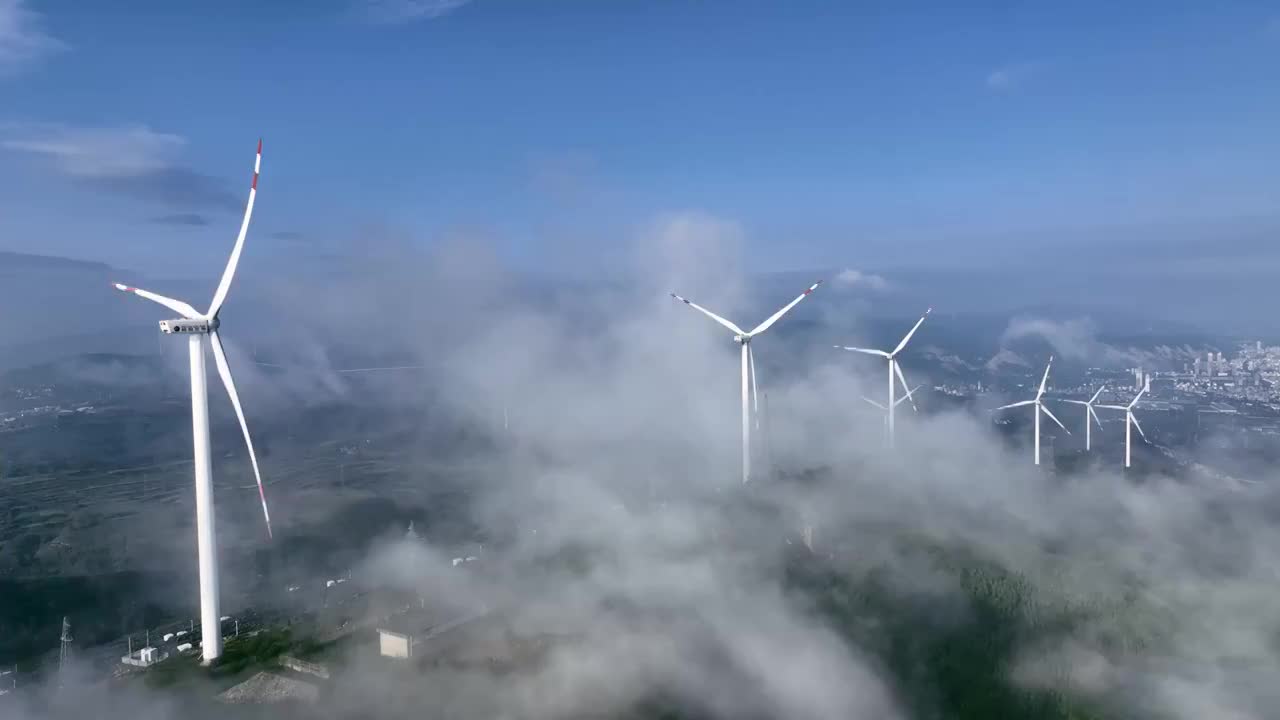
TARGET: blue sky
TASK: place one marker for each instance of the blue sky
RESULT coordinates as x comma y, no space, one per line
835,134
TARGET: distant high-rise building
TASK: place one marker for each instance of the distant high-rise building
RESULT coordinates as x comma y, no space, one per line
64,653
1258,346
1208,364
1195,368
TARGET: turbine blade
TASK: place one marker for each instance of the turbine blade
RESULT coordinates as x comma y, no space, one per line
1045,379
910,392
873,402
755,396
709,314
1095,395
227,274
177,306
897,369
1141,392
1134,418
224,371
1051,417
1017,404
1094,415
1074,402
868,351
774,317
1112,407
913,330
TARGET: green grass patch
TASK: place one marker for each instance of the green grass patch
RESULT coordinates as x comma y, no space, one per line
258,650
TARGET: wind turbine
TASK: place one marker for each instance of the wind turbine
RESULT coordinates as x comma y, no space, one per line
894,369
196,325
1039,408
899,401
1089,413
1129,421
744,338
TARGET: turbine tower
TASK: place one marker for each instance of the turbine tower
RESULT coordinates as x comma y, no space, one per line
894,369
195,326
744,338
1089,413
1129,421
1039,408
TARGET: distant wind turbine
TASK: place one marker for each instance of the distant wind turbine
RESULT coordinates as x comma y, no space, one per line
1039,408
196,325
744,338
894,370
1129,421
905,398
1089,413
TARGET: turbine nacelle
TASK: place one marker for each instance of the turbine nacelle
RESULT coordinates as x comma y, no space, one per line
742,339
189,326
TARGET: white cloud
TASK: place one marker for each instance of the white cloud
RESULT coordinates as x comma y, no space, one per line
131,160
1011,77
1077,339
22,40
127,151
402,11
856,278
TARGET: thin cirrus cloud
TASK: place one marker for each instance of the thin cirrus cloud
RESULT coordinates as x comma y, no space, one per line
1011,77
23,40
394,12
181,219
131,160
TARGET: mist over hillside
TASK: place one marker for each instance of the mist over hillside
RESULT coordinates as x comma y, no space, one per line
587,436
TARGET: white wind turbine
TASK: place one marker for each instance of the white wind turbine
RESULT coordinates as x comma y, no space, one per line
894,370
899,401
197,325
1129,421
1039,408
744,338
1089,413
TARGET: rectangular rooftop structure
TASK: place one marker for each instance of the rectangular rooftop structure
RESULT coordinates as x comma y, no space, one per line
394,644
401,634
145,657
